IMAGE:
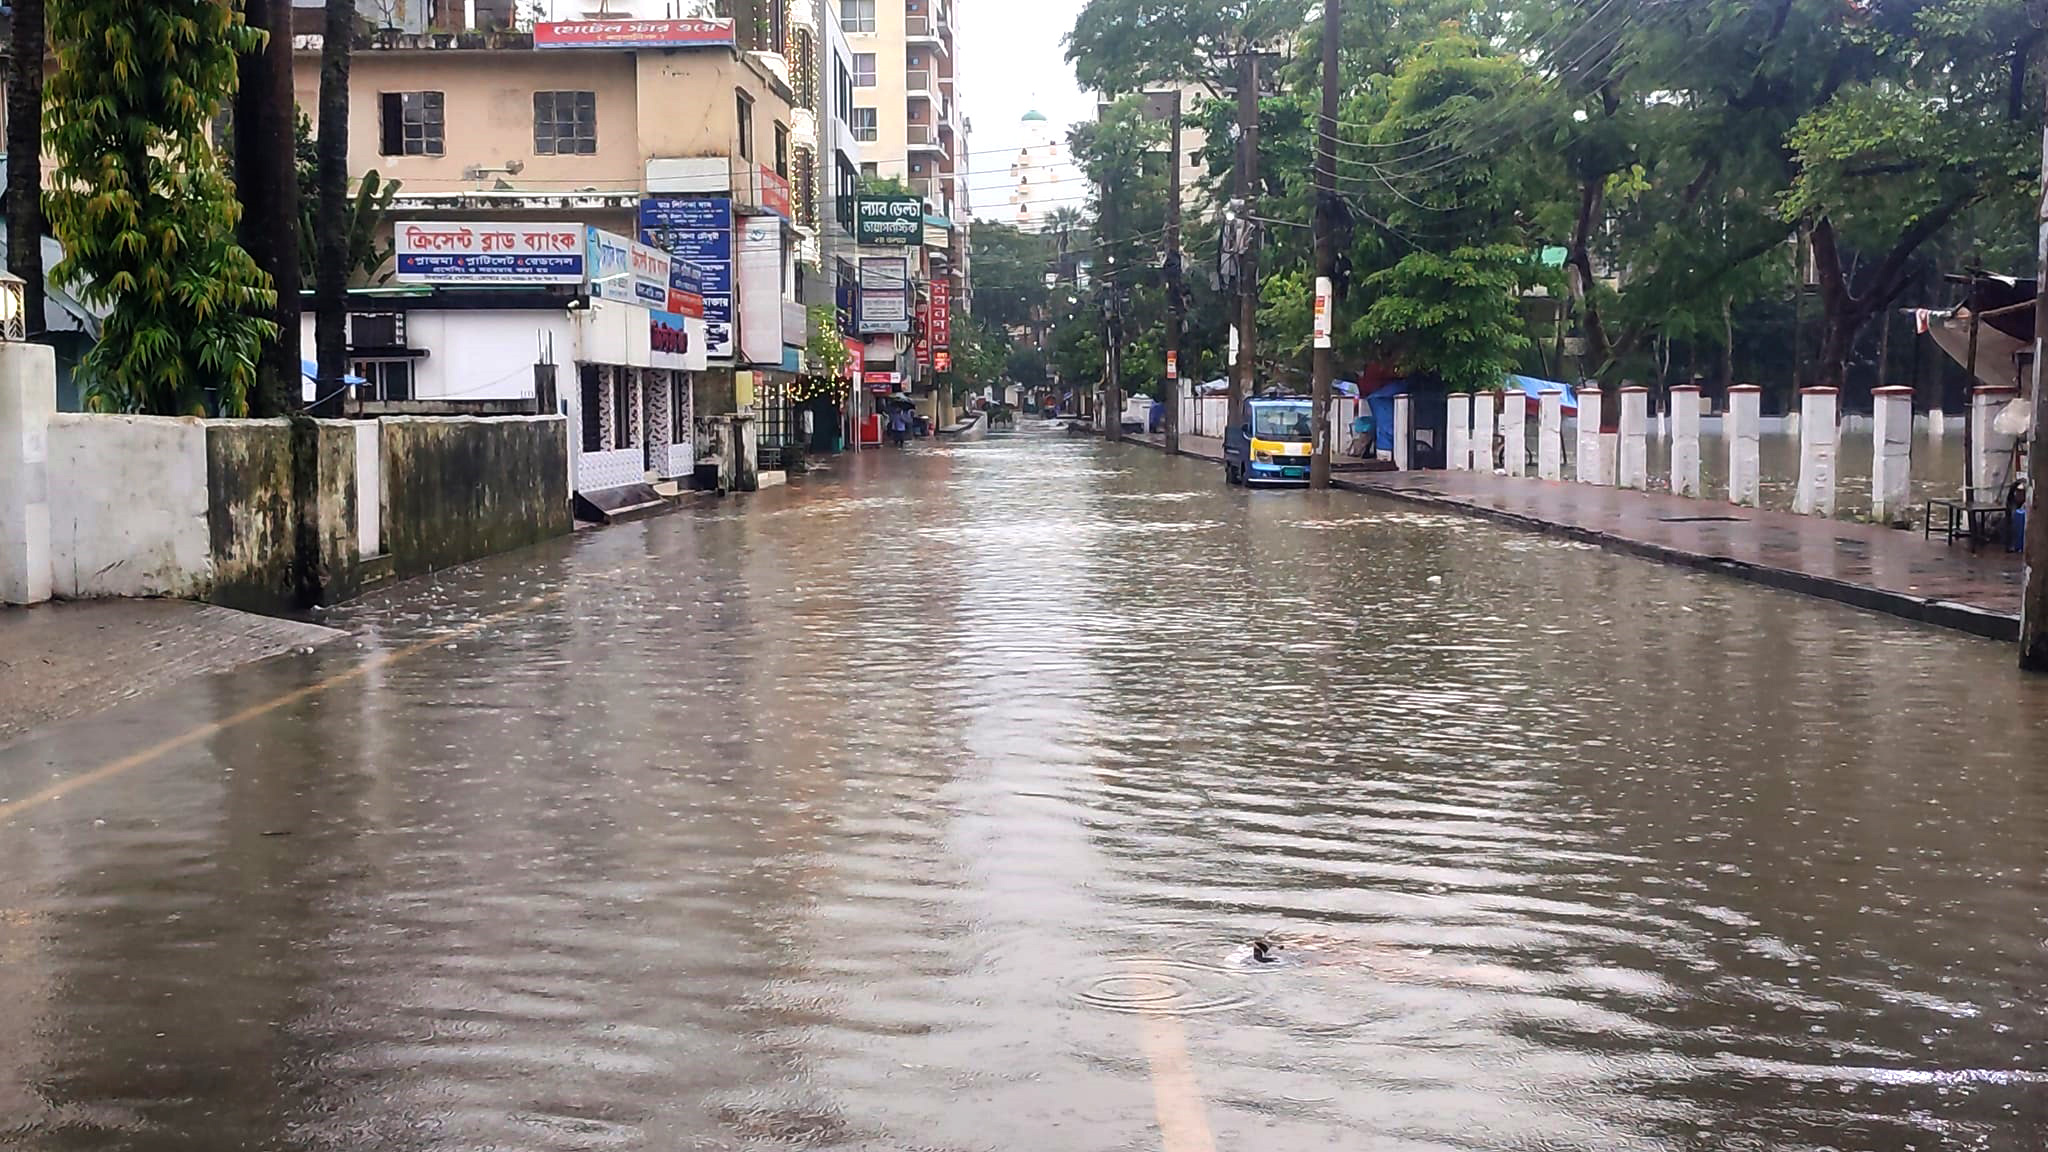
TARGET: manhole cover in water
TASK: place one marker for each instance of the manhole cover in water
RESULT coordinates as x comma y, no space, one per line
1164,987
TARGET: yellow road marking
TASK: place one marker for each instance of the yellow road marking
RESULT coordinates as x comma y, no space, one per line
200,732
1176,1097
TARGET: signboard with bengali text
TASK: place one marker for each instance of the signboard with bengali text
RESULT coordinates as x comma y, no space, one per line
888,221
488,253
698,230
632,33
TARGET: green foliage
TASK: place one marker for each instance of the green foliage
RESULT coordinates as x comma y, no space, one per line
1453,315
824,351
143,204
1010,266
978,354
369,213
885,186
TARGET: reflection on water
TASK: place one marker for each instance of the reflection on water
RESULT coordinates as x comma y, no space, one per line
897,808
1937,469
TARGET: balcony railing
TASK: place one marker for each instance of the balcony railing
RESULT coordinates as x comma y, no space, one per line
919,82
922,136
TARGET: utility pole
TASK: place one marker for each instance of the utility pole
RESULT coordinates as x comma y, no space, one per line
1324,355
1176,295
1241,383
2034,591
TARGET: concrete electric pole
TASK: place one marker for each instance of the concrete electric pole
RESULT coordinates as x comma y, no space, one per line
1176,295
1241,382
2034,591
1324,355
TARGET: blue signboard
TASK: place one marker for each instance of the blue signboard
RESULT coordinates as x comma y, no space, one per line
698,230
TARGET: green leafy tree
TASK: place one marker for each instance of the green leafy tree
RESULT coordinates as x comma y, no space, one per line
144,207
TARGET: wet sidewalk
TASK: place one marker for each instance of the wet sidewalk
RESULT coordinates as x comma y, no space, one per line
1869,566
68,659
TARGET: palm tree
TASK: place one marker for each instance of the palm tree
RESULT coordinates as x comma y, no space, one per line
330,279
25,147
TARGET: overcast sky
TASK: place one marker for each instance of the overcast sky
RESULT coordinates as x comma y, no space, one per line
1013,59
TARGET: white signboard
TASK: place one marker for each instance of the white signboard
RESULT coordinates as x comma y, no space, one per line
487,253
627,271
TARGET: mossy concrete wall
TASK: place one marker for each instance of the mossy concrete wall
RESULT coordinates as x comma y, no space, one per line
456,489
253,512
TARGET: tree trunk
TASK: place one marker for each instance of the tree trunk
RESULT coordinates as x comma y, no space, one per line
267,182
25,172
1579,262
330,280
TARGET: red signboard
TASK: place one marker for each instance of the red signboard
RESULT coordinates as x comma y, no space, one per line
775,194
942,361
881,379
858,362
924,330
632,33
941,326
685,303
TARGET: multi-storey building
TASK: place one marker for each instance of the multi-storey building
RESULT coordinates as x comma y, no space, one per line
907,117
677,133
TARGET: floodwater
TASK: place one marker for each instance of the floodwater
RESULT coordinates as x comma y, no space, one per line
933,803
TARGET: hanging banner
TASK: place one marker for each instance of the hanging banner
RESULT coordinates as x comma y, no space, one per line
466,253
857,358
884,295
1322,323
942,361
698,230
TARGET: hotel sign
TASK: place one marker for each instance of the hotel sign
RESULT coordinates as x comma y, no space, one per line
633,34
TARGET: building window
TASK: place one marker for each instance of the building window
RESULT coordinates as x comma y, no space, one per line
564,123
863,69
845,188
868,171
743,111
623,387
867,125
383,379
412,124
782,149
842,88
679,408
590,416
857,15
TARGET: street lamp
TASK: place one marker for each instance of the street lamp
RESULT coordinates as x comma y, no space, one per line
13,307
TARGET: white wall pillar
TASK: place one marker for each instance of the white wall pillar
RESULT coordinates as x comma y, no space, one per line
1550,435
1458,431
1815,495
1514,432
1891,468
1937,423
1991,471
1482,431
369,436
1634,463
28,397
1685,440
1404,431
1743,428
1589,439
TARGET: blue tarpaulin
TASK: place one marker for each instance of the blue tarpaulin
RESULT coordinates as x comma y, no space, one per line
1535,387
1382,403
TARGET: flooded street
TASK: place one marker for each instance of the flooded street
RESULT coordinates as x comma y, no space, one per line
935,803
